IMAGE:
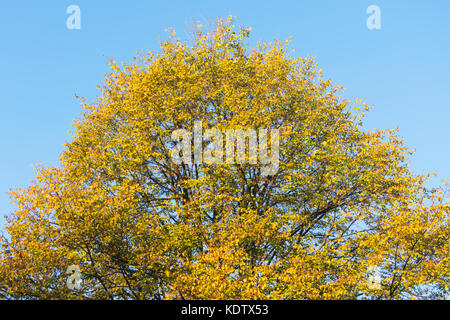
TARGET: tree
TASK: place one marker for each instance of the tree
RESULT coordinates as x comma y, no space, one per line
140,226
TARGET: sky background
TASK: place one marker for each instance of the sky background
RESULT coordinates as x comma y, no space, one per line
403,70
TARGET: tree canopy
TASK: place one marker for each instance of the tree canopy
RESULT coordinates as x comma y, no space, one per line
140,226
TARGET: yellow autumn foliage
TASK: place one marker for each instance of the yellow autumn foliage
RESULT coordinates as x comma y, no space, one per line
141,227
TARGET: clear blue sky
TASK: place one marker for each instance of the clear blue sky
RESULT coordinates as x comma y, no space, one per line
402,69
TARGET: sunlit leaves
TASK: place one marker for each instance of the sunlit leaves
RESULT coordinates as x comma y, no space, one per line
141,227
